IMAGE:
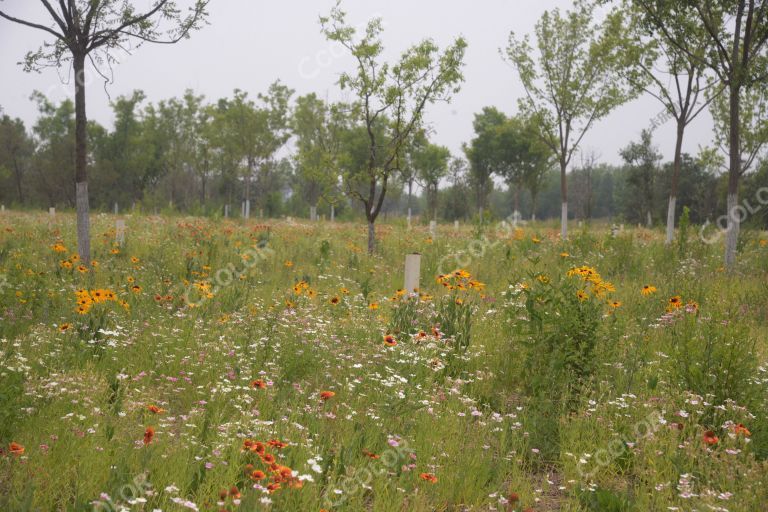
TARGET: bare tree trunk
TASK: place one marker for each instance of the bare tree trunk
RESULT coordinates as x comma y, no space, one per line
17,173
247,200
517,201
81,171
564,199
675,178
371,237
734,170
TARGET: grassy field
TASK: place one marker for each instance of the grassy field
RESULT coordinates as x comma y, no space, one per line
214,365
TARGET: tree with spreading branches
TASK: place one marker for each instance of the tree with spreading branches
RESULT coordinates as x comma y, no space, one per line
95,30
391,101
737,54
573,82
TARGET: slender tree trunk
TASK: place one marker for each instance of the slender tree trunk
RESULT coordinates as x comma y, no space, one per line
371,236
676,168
247,200
734,170
81,171
517,200
564,200
17,172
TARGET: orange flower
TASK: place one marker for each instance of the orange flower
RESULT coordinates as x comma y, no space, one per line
16,449
390,340
149,434
155,409
268,458
370,455
235,493
373,305
710,438
675,302
429,477
276,443
258,475
739,428
259,384
326,395
273,487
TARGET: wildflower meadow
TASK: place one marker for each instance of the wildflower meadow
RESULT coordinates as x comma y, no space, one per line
220,365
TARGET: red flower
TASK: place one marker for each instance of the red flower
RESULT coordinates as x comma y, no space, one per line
429,477
149,434
16,449
390,340
326,395
258,384
710,438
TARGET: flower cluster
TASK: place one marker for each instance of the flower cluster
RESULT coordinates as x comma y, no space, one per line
86,299
276,476
597,285
460,279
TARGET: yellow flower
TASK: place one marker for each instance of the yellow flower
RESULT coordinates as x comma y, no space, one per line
373,305
648,290
582,295
675,302
288,263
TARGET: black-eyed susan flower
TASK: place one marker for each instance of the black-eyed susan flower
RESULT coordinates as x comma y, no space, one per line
648,290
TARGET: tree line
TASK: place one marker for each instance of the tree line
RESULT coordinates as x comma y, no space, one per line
188,155
272,152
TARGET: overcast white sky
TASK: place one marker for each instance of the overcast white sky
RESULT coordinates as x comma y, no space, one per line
250,43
